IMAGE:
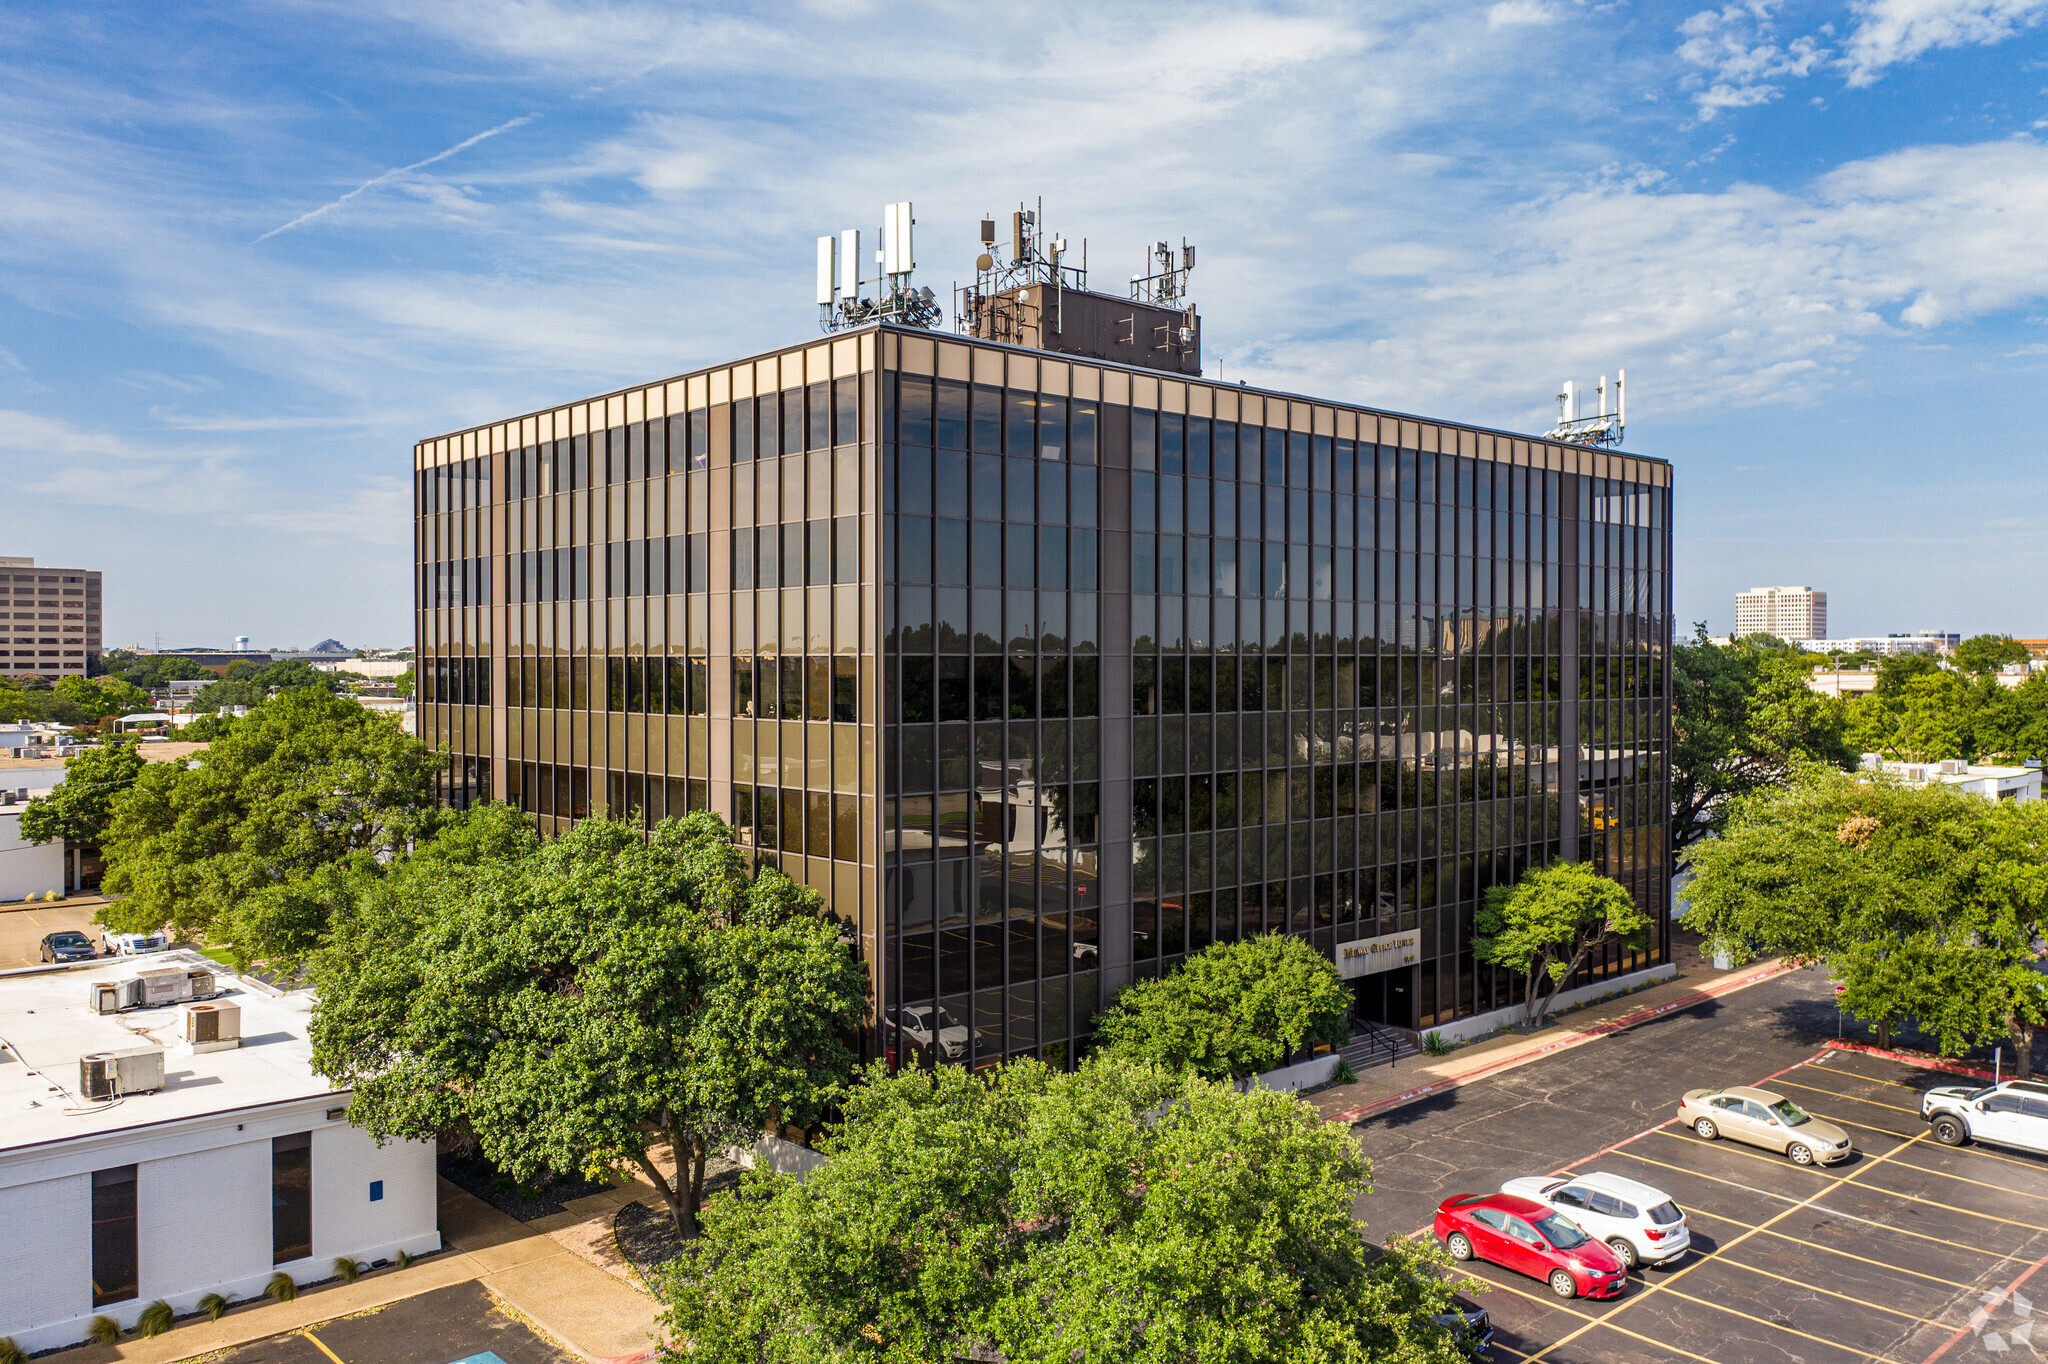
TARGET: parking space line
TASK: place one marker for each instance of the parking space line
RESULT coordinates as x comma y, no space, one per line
1971,1150
321,1346
1853,1098
1777,1326
1991,1302
1878,1188
1837,1250
1587,1317
1650,1289
1816,1288
1874,1079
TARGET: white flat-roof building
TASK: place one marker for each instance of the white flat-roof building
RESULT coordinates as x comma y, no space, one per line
1990,782
1784,612
26,868
1917,642
180,1148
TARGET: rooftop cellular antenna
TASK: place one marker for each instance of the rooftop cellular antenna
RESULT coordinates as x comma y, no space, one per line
1603,427
843,300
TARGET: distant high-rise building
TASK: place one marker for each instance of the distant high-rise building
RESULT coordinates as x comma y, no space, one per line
1786,612
55,618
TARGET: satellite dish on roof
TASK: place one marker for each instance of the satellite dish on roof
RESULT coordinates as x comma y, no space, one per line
984,261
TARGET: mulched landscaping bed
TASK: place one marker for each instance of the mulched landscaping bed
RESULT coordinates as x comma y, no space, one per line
470,1172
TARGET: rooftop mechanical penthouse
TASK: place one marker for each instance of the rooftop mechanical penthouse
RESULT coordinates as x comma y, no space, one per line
1048,670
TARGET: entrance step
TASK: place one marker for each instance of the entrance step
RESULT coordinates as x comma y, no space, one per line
1379,1044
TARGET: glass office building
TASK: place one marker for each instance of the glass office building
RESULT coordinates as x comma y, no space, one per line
1046,672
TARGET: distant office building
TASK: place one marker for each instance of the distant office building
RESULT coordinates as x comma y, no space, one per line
1843,681
1784,612
1049,670
1918,642
55,618
2021,784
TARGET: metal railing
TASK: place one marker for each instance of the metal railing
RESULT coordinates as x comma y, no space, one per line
1380,1045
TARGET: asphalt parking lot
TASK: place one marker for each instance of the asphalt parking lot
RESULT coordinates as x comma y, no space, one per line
460,1324
22,928
1909,1253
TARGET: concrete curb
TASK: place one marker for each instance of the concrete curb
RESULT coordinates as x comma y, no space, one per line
1577,1038
1908,1058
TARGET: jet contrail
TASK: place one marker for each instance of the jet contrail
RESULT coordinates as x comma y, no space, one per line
390,175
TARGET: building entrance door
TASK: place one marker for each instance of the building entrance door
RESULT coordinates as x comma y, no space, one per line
1387,997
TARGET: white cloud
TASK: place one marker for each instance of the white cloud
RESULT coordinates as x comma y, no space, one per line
1517,13
1737,57
1889,32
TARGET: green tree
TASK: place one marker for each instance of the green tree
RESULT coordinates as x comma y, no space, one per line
78,810
576,1004
403,683
1233,1010
150,672
1546,925
1894,671
225,848
98,696
1118,1213
217,696
1742,715
1986,654
1925,902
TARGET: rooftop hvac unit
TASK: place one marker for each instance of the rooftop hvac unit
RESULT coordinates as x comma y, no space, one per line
1916,774
213,1027
112,996
201,981
135,1070
1951,767
173,985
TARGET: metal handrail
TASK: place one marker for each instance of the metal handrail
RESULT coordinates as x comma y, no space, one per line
1376,1040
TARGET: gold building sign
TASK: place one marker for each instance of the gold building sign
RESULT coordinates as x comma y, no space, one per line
1370,956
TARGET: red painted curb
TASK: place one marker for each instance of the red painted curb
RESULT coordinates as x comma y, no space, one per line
1924,1062
1569,1040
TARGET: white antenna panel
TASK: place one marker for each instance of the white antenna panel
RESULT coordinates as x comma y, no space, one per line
890,264
849,262
825,271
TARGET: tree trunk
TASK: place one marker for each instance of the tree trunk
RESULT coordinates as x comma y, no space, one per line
2022,1047
1585,950
1884,1033
680,1208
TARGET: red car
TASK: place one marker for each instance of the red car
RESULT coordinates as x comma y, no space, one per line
1530,1238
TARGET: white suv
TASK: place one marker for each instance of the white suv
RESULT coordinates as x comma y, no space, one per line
1641,1225
2012,1113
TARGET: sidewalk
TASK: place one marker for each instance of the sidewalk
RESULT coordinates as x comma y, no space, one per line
1416,1077
594,1313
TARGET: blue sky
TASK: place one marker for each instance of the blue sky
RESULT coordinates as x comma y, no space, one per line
249,253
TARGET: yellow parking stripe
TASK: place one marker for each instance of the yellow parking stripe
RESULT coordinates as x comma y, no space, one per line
1853,1098
1880,1080
1775,1326
1664,1287
321,1345
1971,1150
1832,1212
1591,1321
1875,1188
1816,1288
1837,1250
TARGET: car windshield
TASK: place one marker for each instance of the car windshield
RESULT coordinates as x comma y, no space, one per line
1977,1094
69,940
1665,1213
1789,1113
947,1020
1563,1234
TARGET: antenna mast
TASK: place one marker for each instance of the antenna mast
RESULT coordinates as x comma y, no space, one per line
1000,295
1603,427
841,302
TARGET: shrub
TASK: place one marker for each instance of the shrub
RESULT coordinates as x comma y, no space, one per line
156,1319
214,1305
103,1331
1231,1011
405,1259
1344,1074
11,1352
1434,1044
346,1269
280,1288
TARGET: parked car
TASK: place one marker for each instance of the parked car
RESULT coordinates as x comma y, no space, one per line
135,944
1530,1238
1640,1224
1761,1118
1470,1325
2011,1113
932,1030
68,944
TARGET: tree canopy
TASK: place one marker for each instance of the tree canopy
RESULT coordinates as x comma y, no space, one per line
78,810
1233,1010
249,845
250,684
1116,1213
1983,654
1547,924
1925,902
576,1003
1742,716
70,700
150,672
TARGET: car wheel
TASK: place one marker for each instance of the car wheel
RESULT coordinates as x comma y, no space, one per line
1949,1130
1705,1127
1562,1283
1459,1246
1625,1251
1799,1153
